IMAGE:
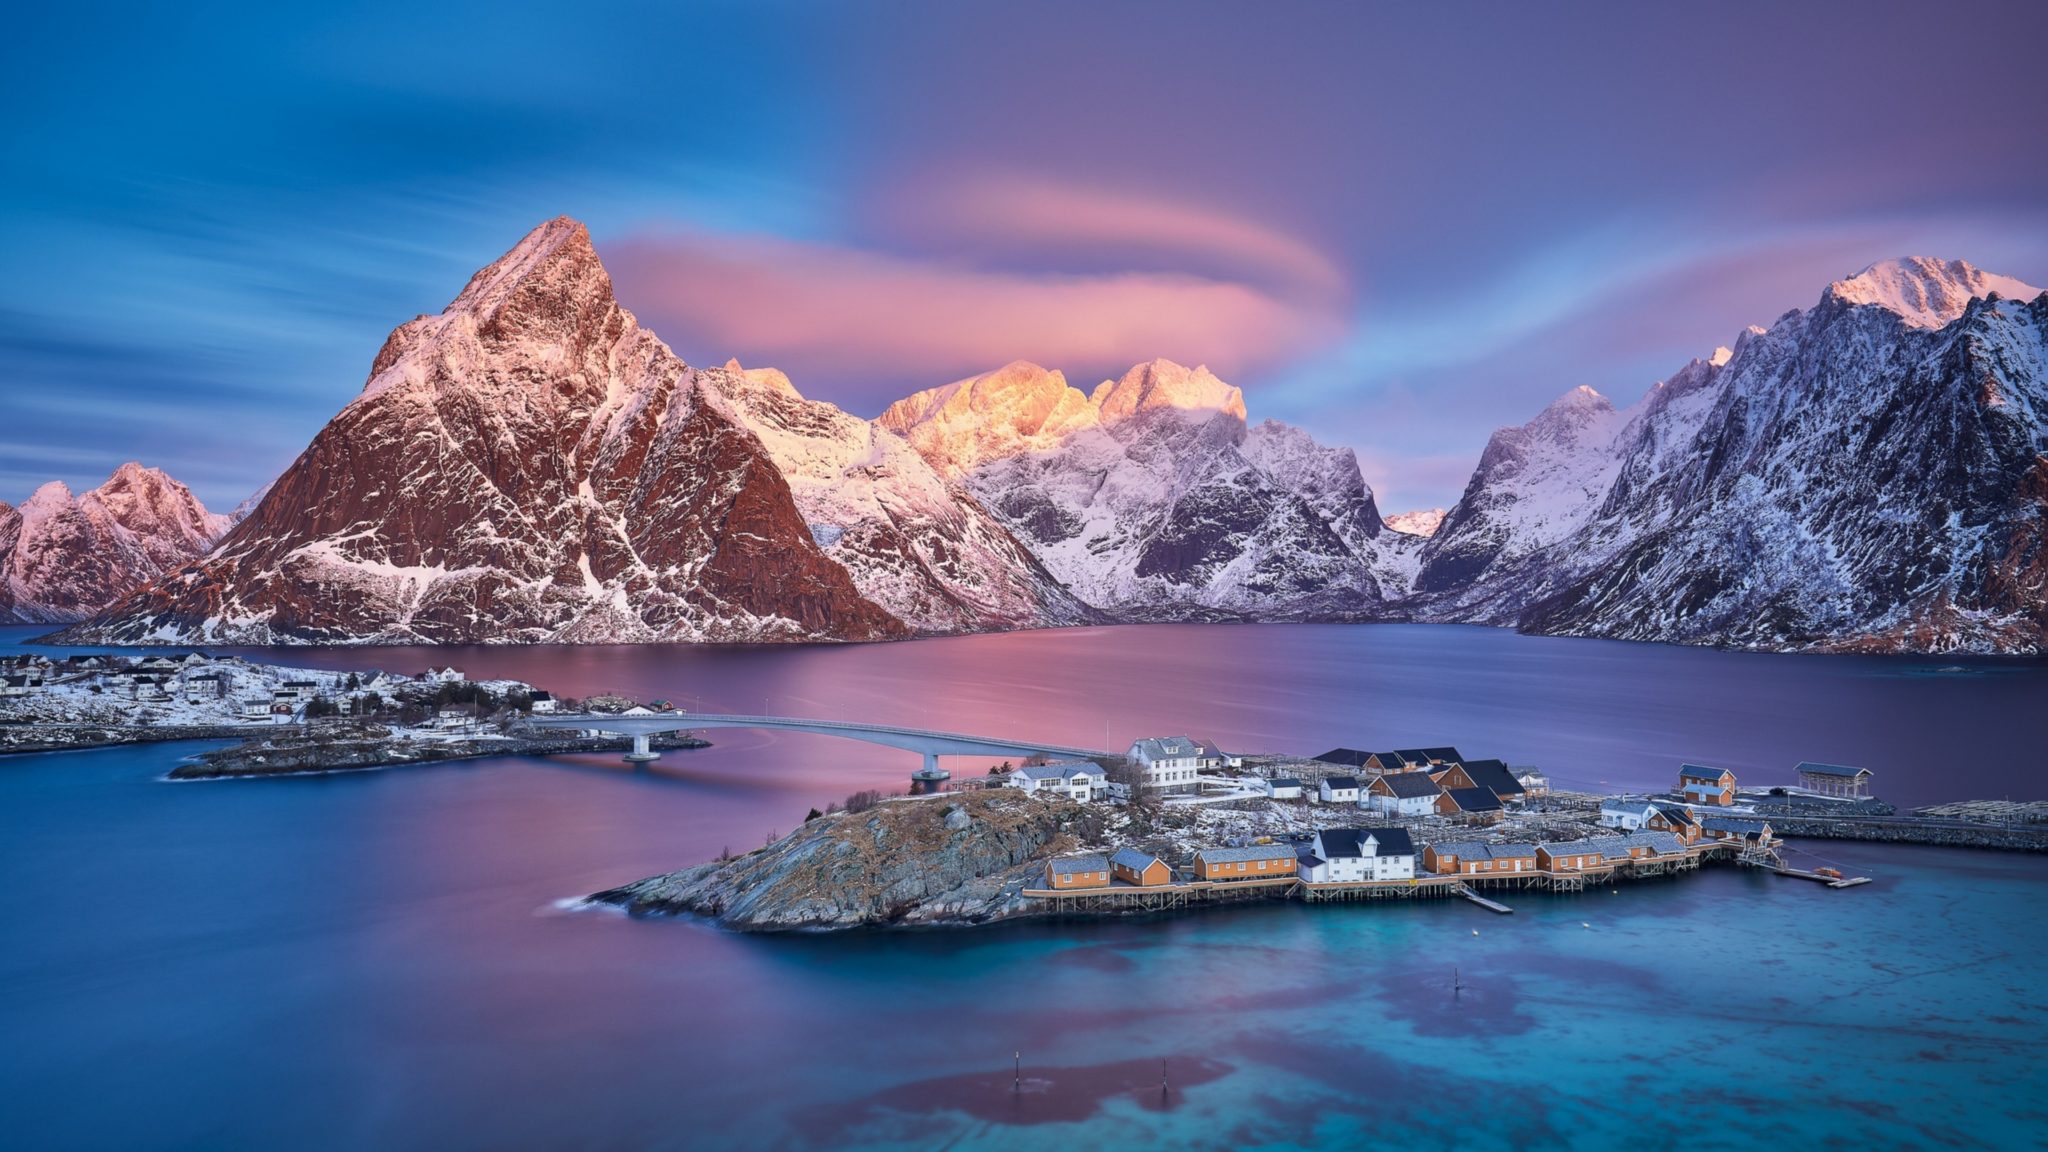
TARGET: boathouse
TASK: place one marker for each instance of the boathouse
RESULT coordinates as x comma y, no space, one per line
1066,872
1260,862
1140,868
1353,855
1676,819
1835,780
1573,856
1741,829
1701,785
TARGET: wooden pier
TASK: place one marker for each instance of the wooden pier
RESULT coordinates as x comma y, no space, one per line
1830,881
1483,902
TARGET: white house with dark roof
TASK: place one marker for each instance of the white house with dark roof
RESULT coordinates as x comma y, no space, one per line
1076,780
1625,813
1355,855
1172,763
1283,788
1339,790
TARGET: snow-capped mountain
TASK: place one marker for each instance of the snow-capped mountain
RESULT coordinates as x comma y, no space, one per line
913,542
1417,522
1150,499
528,465
65,557
1871,472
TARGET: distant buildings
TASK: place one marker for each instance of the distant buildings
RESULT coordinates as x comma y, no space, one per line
1338,790
1835,780
1533,783
1403,794
1283,788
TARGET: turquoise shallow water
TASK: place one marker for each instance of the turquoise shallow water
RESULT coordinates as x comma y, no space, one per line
373,960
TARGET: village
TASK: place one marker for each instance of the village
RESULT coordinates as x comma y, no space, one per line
1405,824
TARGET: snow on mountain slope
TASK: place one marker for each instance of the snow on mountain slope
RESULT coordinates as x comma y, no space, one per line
528,465
1419,522
1870,473
63,558
914,543
1149,498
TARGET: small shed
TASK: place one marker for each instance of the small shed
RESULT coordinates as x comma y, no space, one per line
1835,780
1140,868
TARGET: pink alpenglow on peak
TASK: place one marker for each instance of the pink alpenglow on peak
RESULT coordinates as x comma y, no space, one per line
64,557
1161,384
1924,292
1422,522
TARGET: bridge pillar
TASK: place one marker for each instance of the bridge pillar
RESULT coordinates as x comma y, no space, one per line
641,753
929,778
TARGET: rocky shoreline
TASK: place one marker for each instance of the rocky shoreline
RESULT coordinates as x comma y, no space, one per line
28,738
954,859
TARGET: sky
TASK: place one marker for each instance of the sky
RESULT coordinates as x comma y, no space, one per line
1398,225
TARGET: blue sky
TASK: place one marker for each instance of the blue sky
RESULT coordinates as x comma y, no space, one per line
1402,226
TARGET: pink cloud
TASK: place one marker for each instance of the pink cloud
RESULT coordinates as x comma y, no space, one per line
1013,215
825,310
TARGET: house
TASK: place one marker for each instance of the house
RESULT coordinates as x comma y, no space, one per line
1742,829
1065,872
1213,755
1625,813
1475,858
1492,775
1645,844
1571,856
1355,855
1140,868
1338,790
1171,763
1702,785
1075,780
20,684
254,708
543,703
1835,780
1676,819
1227,865
1383,762
1283,788
1403,794
300,690
448,675
205,686
1533,783
1470,805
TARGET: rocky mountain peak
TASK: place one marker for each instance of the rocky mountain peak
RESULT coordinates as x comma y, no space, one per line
1163,384
64,557
1925,292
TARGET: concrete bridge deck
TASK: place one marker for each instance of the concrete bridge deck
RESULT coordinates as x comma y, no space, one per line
929,743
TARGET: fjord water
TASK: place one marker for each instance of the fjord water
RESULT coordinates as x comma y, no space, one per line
375,959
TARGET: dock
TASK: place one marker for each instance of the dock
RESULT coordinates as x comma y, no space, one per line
1490,905
1830,881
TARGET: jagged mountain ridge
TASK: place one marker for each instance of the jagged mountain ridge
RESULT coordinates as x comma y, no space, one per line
1866,473
1152,500
65,557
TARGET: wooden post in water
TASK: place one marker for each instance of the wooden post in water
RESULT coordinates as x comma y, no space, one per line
1017,1076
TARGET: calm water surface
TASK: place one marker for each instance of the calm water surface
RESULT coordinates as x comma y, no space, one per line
374,959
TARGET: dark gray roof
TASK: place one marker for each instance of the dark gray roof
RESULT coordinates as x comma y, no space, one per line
1474,799
1494,774
1080,864
1284,782
1702,772
1807,768
1678,814
1447,755
1736,824
1133,859
1413,755
1392,841
1336,782
1349,757
1337,842
1258,852
1409,785
1463,849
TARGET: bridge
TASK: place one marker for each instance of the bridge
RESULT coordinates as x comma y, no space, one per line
930,744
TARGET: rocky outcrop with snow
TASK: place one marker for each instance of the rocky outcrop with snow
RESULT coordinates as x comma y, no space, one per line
1149,497
1869,473
529,465
65,557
